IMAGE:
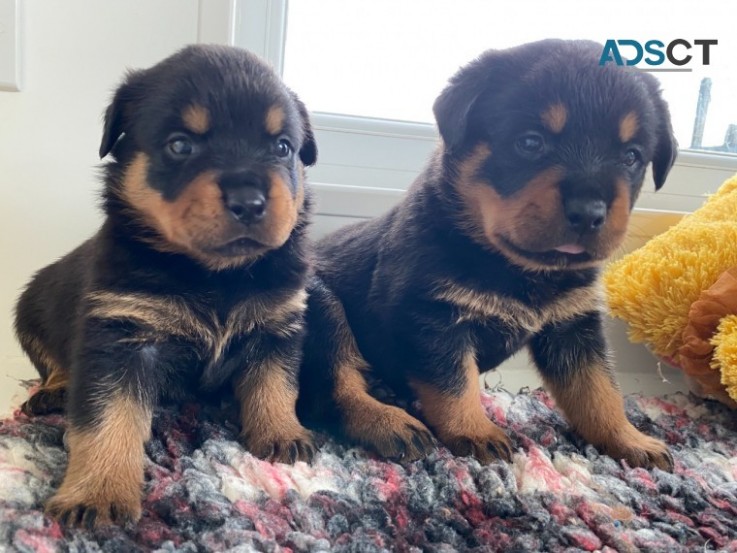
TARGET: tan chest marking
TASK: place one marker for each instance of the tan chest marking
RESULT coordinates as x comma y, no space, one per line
163,316
477,306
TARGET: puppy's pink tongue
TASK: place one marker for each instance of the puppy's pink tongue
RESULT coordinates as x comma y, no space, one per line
570,248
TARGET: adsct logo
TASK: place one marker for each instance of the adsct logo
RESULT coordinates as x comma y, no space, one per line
654,53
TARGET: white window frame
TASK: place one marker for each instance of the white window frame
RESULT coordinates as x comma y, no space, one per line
365,164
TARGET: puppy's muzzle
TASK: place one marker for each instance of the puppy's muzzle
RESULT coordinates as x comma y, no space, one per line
244,198
585,216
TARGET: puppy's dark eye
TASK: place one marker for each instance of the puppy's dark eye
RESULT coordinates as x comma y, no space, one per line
180,146
530,144
630,157
283,147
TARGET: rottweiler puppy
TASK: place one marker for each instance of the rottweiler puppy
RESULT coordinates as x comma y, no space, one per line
497,246
194,283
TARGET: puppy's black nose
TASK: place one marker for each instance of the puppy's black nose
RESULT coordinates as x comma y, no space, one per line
585,215
246,203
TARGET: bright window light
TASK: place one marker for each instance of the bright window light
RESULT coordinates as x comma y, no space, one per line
389,59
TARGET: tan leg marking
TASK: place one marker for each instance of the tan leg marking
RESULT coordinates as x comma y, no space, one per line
103,480
51,394
269,425
386,429
595,409
459,420
389,430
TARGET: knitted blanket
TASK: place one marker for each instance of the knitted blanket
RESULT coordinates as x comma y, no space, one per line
203,492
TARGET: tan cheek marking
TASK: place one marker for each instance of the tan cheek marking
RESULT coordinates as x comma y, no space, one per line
476,194
196,214
522,217
282,211
619,213
274,122
196,119
531,210
555,117
534,209
628,126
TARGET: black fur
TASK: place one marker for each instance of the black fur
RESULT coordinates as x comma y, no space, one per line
96,357
386,274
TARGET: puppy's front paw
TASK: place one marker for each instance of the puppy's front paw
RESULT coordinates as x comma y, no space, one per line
640,450
289,448
389,431
87,509
45,401
487,444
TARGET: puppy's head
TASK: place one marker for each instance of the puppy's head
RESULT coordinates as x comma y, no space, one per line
546,150
210,148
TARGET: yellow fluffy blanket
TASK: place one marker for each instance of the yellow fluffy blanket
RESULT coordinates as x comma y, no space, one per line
678,293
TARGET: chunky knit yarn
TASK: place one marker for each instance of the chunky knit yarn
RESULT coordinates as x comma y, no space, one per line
203,492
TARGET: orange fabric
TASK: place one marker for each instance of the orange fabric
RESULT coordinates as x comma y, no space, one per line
694,356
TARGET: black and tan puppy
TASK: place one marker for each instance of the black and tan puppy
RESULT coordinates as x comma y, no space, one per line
497,246
195,282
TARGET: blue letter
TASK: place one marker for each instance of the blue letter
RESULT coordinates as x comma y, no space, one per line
659,56
637,47
610,53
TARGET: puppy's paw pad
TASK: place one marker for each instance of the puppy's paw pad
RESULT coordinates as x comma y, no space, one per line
393,434
92,514
282,449
44,402
486,448
408,444
647,453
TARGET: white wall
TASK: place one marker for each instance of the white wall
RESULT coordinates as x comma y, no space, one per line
74,54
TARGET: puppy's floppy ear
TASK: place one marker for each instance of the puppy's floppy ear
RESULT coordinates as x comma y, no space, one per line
453,107
117,115
666,148
308,151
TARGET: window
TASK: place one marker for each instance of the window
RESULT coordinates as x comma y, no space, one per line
370,71
389,59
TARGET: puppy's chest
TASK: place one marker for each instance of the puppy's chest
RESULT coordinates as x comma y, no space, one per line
198,322
517,316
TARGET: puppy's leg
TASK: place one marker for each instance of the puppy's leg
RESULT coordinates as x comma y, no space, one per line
32,308
50,397
111,396
389,430
572,358
333,387
103,480
455,413
266,388
267,393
